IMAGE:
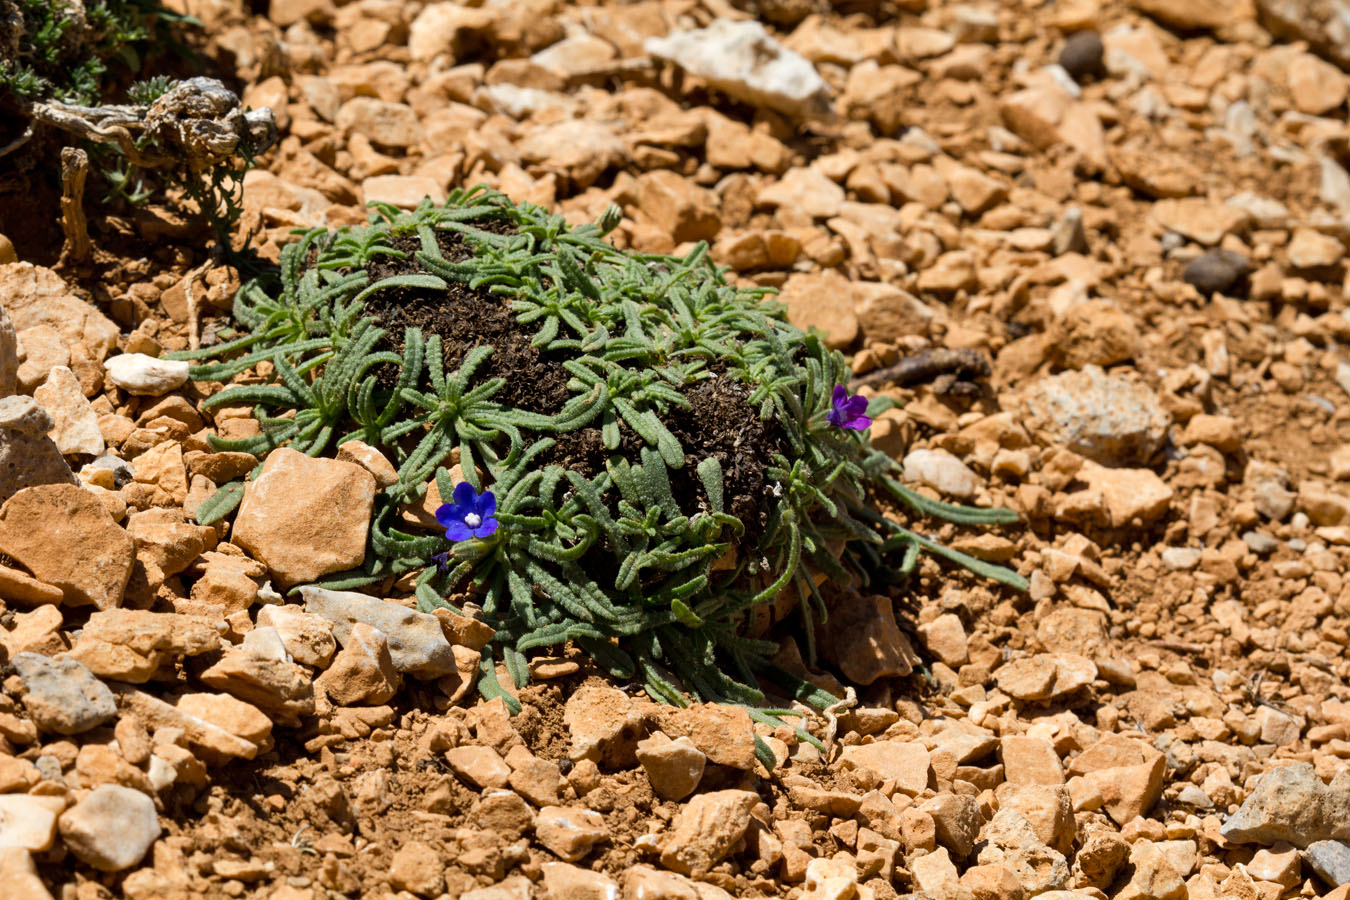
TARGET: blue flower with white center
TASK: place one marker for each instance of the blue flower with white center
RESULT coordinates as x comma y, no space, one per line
470,515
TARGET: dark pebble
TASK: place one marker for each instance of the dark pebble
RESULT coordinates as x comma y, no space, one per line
1216,271
1082,55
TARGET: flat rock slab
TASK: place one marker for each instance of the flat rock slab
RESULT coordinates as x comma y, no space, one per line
417,644
305,518
65,537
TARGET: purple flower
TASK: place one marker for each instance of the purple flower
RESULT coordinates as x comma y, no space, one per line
470,515
849,412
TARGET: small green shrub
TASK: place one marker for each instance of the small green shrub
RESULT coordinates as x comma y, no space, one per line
59,50
658,442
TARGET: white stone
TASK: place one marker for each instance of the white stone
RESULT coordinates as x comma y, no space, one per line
743,60
939,469
112,828
137,373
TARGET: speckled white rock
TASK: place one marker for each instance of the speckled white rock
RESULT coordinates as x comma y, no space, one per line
743,60
137,373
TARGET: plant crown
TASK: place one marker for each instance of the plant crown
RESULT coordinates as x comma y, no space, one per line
641,563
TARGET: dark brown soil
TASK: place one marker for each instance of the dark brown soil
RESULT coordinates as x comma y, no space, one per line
465,318
718,422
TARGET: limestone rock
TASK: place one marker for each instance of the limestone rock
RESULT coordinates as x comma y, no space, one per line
804,190
678,207
230,714
1200,220
1154,878
725,734
822,300
886,313
304,518
706,829
862,638
28,822
386,124
207,735
43,349
1128,774
62,695
1107,418
75,428
743,60
562,880
417,645
1047,115
939,469
417,868
907,762
579,149
368,458
307,638
1291,803
1096,332
956,821
1324,24
363,672
570,833
403,191
35,631
673,767
20,876
28,457
1310,249
36,296
112,828
130,645
137,373
1011,841
1134,497
1047,808
481,767
65,537
166,543
1330,860
1191,14
278,686
605,725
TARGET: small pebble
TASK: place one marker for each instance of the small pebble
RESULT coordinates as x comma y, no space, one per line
1259,543
137,373
1082,55
1216,271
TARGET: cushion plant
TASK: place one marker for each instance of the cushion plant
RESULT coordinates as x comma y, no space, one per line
648,454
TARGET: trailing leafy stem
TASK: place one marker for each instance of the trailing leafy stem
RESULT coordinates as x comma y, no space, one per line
642,561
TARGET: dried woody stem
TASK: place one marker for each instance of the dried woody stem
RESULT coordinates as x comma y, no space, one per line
74,171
